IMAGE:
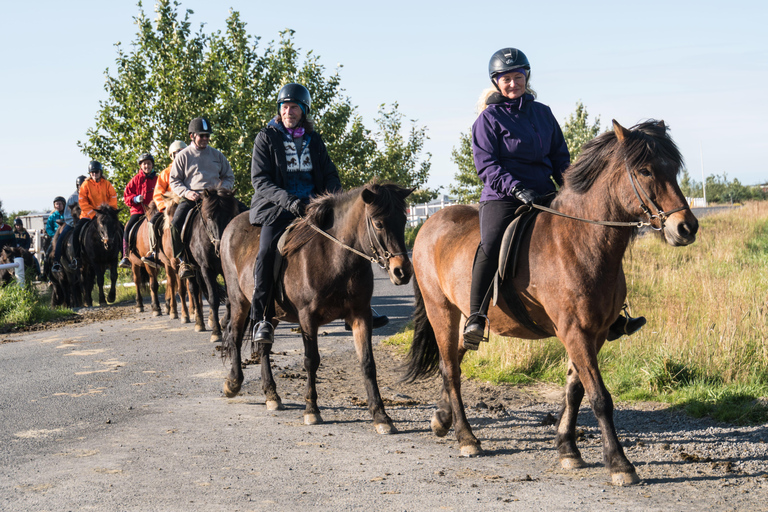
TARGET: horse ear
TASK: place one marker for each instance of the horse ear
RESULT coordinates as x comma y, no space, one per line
662,125
368,196
621,132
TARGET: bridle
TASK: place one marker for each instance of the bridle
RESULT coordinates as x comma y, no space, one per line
216,242
660,214
380,255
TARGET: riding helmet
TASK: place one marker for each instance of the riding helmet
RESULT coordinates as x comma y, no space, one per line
200,125
506,60
79,181
175,146
18,222
59,198
296,93
95,165
147,156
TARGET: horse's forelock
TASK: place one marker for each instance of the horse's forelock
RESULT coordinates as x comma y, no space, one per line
650,140
219,200
389,198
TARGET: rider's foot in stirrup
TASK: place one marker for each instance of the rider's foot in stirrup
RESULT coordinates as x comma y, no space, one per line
264,332
124,263
186,270
474,331
56,267
625,326
73,264
150,259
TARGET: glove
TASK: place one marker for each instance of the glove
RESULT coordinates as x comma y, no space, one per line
297,208
137,199
525,195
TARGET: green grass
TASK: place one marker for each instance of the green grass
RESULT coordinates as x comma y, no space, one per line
23,306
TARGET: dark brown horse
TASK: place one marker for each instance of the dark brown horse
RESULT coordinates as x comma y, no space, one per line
142,271
67,284
174,285
102,242
218,208
323,281
569,278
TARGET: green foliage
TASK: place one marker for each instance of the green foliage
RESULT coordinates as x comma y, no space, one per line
20,306
720,190
171,75
1,208
468,185
577,130
410,234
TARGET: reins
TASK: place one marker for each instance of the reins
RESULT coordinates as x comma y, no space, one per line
208,231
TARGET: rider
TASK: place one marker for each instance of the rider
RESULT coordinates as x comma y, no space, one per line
161,188
195,169
51,224
6,234
23,239
520,153
138,195
290,165
69,225
94,192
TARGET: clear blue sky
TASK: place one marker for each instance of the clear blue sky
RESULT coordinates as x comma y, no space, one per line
701,66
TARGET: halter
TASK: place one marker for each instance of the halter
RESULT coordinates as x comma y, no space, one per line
377,258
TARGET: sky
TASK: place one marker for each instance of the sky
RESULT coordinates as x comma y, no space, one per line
701,66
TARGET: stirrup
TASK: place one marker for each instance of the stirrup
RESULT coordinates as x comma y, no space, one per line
625,325
474,331
264,332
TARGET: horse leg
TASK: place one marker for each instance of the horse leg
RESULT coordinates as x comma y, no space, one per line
274,403
113,281
88,279
196,298
136,269
213,304
584,358
443,418
361,328
311,364
231,346
565,439
154,290
185,298
171,307
100,281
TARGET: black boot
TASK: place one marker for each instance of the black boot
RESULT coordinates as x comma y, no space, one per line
625,325
483,271
263,332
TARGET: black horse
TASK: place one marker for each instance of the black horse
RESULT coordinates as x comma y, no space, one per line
323,280
102,242
217,209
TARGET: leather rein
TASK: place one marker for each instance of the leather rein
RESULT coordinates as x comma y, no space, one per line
661,215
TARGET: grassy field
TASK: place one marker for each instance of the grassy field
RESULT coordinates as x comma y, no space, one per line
705,347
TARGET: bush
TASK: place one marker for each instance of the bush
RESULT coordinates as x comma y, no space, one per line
22,306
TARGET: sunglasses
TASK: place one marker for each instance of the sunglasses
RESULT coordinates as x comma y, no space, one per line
204,135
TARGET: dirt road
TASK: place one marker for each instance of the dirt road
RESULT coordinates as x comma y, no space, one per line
127,413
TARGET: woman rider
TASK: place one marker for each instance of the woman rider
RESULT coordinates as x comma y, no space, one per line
138,196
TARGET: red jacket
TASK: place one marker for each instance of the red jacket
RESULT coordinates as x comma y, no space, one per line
140,185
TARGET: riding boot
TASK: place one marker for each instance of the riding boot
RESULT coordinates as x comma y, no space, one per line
125,262
483,272
151,257
625,325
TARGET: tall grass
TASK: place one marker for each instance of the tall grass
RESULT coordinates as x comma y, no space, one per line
705,347
22,306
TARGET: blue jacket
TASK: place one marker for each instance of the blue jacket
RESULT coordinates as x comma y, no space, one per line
51,226
518,142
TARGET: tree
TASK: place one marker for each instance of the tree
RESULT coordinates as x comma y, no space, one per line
577,131
171,75
468,187
689,186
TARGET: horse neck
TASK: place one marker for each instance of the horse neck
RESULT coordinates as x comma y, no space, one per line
350,229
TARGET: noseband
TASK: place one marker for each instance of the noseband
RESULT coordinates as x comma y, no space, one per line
661,215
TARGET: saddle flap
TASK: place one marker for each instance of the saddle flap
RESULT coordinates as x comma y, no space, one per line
279,260
512,239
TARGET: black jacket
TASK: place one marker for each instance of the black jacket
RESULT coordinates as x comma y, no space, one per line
268,168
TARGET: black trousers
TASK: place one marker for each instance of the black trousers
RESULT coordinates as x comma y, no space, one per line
262,303
177,224
495,216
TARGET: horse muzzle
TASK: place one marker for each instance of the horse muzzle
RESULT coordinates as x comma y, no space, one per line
400,270
681,228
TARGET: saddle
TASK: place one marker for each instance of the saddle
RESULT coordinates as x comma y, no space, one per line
187,226
133,235
279,267
509,255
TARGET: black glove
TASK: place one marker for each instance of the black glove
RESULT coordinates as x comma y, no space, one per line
525,195
297,208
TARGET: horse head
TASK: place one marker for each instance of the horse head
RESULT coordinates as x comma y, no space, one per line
218,209
107,225
385,228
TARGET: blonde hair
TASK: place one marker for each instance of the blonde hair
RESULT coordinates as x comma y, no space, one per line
483,99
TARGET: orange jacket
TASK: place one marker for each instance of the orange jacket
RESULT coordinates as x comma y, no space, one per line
93,195
161,187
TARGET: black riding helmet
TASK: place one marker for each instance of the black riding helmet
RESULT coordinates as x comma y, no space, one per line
95,165
80,179
147,156
59,198
506,60
296,93
200,125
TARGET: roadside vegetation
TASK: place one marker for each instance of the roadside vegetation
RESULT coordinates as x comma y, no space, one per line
23,306
705,347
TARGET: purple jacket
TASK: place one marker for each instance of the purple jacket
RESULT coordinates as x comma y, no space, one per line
518,142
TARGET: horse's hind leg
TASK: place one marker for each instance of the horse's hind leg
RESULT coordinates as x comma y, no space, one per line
274,403
231,347
138,282
197,300
443,418
311,364
154,291
113,280
565,439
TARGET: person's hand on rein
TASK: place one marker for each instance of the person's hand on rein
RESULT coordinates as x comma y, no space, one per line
524,195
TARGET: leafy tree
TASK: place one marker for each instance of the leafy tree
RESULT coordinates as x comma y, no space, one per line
577,130
689,186
1,208
468,187
171,75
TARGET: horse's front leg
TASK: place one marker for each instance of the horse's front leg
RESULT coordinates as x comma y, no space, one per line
232,349
136,270
311,364
100,269
361,329
274,403
113,280
582,350
213,304
565,439
196,298
154,291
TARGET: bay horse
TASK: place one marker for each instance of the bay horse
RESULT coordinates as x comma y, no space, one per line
102,243
142,271
174,284
569,278
218,207
323,280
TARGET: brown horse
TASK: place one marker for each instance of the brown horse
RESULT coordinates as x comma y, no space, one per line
139,247
323,281
569,277
174,285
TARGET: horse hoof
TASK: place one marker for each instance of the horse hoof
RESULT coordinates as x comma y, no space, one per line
185,320
437,428
626,478
277,405
138,310
174,316
312,419
470,450
386,428
157,313
199,328
215,338
572,463
230,389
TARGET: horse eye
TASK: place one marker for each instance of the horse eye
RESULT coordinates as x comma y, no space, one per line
645,172
378,224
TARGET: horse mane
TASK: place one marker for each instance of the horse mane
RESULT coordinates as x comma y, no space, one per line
106,209
646,140
219,200
320,212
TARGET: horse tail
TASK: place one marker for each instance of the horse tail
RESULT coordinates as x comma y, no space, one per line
423,359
